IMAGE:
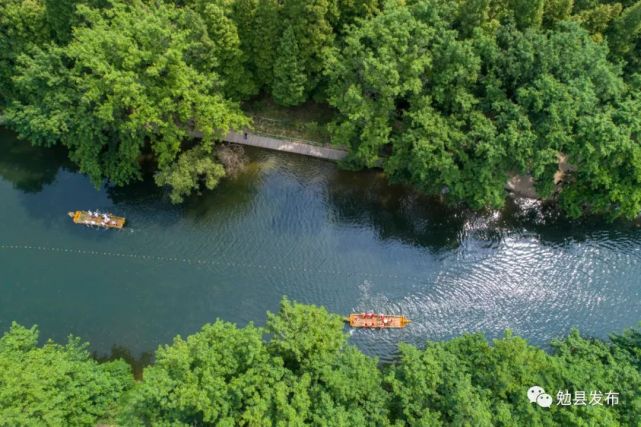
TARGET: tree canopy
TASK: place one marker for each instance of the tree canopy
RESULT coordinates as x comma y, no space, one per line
300,369
455,103
56,384
451,96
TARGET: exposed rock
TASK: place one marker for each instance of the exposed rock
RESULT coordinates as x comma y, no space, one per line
523,185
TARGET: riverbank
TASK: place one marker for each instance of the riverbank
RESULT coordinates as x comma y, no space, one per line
309,359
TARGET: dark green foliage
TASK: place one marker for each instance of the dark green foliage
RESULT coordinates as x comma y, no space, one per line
60,18
221,46
625,36
498,101
288,87
527,13
22,26
264,43
557,10
452,96
300,370
220,376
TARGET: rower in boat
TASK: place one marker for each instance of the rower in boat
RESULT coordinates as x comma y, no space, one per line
105,220
377,321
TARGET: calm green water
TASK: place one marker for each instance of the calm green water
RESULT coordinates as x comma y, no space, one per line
299,227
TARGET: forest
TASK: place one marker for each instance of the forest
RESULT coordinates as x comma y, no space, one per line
450,96
299,369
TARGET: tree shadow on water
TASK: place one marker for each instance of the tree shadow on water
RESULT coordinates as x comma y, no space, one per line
551,226
396,211
27,167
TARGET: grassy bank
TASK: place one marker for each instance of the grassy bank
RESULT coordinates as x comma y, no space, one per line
307,122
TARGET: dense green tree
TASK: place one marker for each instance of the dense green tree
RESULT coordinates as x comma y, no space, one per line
472,14
192,167
220,376
23,25
498,101
127,84
306,337
557,10
624,36
345,385
349,11
468,381
311,24
598,18
528,13
300,370
60,18
452,96
265,40
224,44
288,87
55,384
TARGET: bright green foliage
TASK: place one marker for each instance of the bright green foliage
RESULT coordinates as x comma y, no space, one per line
306,373
596,365
224,376
22,25
466,381
220,376
288,87
190,169
343,384
452,96
425,130
377,67
127,84
55,384
305,337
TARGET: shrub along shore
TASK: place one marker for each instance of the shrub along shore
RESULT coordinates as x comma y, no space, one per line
300,369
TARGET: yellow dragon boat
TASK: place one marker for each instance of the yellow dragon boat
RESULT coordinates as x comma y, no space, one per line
97,219
381,321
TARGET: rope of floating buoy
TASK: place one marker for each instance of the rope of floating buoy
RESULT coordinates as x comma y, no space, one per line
190,261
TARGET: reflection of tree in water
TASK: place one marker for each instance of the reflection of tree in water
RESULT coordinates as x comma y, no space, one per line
548,223
230,197
396,212
27,167
137,364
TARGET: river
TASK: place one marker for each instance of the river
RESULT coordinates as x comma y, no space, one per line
300,227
